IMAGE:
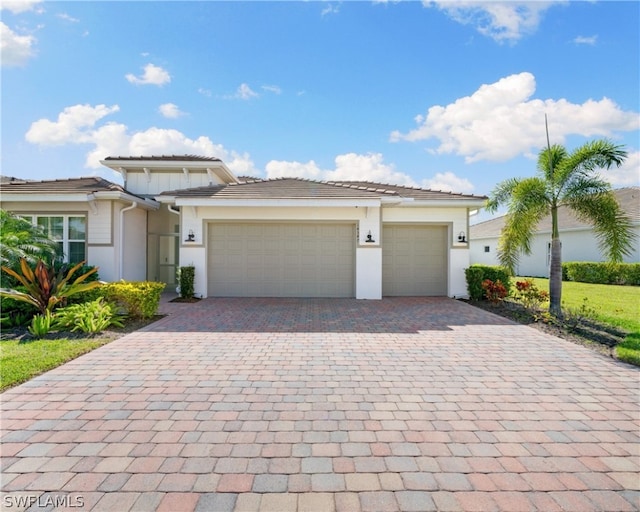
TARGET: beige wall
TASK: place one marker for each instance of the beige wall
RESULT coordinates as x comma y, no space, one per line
160,181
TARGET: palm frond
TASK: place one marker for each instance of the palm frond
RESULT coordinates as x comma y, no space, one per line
501,194
613,229
529,203
548,162
592,156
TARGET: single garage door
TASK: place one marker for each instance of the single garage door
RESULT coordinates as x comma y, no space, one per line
281,260
414,260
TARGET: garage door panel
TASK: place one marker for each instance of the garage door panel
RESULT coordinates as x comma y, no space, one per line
414,260
281,260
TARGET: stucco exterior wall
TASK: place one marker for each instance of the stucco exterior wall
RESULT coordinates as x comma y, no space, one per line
134,251
369,273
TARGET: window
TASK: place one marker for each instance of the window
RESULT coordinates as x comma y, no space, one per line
70,231
487,248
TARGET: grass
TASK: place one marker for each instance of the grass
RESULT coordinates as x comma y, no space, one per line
21,360
617,306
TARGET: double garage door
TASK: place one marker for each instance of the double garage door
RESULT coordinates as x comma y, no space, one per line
281,260
318,260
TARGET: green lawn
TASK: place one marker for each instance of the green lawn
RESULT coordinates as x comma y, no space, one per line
23,360
618,306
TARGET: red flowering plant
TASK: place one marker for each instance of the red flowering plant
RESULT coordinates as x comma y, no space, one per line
529,295
494,291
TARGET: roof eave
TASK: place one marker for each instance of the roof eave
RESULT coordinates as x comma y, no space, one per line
216,166
79,197
281,201
442,203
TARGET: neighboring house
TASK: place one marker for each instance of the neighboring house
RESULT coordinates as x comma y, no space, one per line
578,239
285,237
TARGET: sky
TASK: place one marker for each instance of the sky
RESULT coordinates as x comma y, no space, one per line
444,95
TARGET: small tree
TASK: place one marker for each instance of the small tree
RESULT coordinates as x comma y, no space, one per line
567,179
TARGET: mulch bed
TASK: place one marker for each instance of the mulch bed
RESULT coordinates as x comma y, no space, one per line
189,300
112,333
596,336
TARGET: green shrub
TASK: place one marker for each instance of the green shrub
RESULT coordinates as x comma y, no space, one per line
138,299
476,274
187,279
602,273
90,317
42,324
15,313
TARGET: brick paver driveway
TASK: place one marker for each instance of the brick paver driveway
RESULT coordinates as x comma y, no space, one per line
264,404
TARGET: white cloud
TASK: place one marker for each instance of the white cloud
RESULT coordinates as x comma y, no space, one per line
591,40
66,17
244,92
348,167
501,121
15,49
78,124
369,167
628,174
283,169
18,6
153,75
449,182
170,110
330,9
73,125
204,92
272,88
502,21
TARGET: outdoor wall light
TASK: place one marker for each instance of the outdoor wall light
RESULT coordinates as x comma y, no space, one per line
462,238
370,239
191,237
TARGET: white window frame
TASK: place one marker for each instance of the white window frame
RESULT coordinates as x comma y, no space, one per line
33,218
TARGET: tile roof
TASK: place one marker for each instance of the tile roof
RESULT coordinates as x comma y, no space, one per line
403,191
168,158
628,198
280,188
62,186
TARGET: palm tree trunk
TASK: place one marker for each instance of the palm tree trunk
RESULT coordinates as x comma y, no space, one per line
555,272
555,278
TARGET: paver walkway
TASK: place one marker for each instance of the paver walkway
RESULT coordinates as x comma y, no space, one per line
411,404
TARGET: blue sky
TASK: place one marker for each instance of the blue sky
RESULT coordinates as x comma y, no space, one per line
443,95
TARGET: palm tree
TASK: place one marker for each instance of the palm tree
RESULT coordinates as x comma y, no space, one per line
21,239
564,179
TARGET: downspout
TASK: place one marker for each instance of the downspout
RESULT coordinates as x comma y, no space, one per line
177,212
121,259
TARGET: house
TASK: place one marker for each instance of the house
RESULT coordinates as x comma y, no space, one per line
286,237
578,239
